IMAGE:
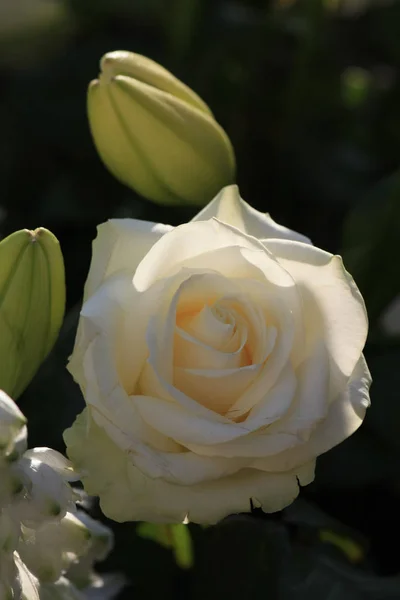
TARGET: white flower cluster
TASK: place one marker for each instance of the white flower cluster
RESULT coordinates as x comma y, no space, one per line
47,545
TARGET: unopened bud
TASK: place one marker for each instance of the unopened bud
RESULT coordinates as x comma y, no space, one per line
155,134
32,296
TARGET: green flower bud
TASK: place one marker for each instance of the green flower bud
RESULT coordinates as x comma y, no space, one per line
155,134
32,303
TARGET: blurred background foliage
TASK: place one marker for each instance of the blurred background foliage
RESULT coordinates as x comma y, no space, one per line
309,93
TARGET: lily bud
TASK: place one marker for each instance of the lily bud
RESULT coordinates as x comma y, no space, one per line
32,296
155,134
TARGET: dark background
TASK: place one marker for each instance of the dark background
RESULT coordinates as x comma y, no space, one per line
309,93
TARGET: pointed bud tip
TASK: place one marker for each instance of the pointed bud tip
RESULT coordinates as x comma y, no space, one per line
34,234
110,65
110,59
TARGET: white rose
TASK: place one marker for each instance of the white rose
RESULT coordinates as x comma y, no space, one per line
217,360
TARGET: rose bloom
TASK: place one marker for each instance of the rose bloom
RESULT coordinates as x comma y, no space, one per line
217,359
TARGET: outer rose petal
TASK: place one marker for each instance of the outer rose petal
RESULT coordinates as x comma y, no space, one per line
230,208
120,246
102,314
333,307
345,416
128,495
194,244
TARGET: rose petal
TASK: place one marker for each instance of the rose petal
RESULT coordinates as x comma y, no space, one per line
102,314
204,327
185,468
196,431
273,405
186,243
184,288
279,348
186,427
126,494
230,208
217,389
344,417
120,246
112,408
312,396
333,307
189,352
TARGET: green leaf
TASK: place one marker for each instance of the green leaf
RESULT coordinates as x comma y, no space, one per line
174,536
316,575
309,517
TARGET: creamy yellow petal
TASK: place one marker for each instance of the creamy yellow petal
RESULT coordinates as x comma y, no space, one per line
127,494
101,314
345,415
205,435
203,326
186,243
120,245
184,288
333,307
190,353
216,389
111,406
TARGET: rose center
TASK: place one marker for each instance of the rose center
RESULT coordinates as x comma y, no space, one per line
223,314
211,344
